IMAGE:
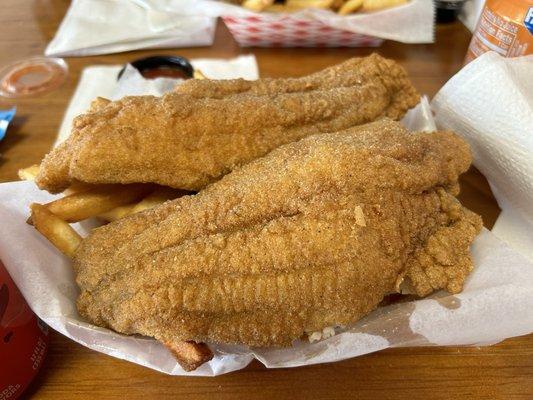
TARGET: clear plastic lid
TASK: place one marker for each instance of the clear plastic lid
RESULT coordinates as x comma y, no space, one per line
32,76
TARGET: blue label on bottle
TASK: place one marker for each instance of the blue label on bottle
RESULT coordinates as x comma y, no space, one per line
528,20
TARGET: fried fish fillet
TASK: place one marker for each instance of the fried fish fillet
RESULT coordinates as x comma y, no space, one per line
192,137
312,235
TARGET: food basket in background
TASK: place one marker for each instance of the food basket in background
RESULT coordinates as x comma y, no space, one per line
282,30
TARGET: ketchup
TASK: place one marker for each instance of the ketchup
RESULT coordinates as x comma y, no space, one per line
163,72
162,66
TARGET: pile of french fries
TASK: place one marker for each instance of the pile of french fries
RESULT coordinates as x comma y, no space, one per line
342,7
83,201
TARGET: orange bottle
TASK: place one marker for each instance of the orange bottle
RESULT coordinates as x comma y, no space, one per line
504,26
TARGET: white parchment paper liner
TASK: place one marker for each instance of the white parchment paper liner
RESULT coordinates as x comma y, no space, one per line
490,103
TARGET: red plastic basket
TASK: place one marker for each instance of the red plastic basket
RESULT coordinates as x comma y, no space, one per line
271,30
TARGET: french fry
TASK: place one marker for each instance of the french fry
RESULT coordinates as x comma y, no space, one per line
350,6
257,5
374,5
299,4
197,74
337,4
190,355
78,187
79,206
57,231
28,174
279,8
117,213
159,196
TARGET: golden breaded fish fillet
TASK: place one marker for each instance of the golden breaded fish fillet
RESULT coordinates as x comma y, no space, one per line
312,235
192,137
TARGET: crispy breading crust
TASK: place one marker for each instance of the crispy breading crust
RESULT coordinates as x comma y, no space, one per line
312,235
192,137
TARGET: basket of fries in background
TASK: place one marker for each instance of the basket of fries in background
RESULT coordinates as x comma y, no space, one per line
318,23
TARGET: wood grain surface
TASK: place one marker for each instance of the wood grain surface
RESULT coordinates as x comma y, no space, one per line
71,371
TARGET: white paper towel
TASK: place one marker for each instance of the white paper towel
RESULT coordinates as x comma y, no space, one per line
490,103
111,26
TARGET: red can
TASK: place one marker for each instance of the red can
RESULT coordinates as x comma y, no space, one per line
23,340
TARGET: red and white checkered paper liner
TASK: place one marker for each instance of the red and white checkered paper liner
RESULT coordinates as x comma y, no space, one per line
287,31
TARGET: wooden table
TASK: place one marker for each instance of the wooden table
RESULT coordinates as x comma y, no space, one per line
503,371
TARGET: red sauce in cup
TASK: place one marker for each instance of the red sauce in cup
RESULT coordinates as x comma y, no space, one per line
163,72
